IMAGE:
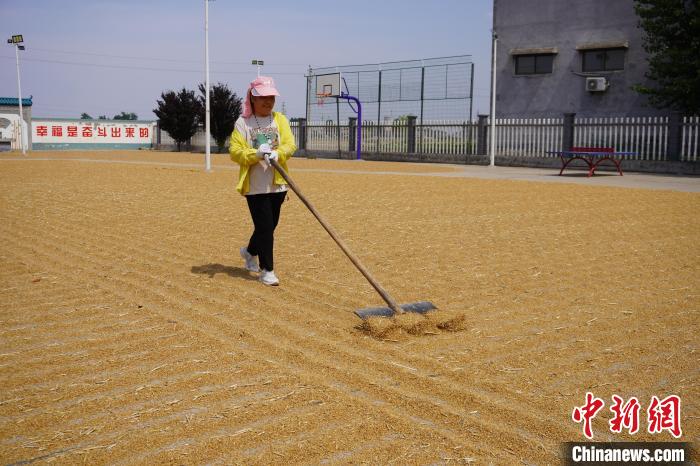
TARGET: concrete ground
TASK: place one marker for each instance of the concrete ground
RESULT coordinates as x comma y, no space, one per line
679,183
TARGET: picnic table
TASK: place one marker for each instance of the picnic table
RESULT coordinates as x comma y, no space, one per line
592,156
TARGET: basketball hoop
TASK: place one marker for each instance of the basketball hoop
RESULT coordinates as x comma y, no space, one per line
321,97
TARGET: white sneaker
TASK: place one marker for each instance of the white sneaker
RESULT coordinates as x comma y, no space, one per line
269,278
250,263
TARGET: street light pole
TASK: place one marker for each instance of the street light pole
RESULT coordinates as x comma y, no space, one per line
16,40
492,154
21,113
207,138
258,63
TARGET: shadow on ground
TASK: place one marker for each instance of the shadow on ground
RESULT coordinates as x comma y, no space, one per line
214,269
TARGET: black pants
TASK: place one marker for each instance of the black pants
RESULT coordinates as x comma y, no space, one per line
265,211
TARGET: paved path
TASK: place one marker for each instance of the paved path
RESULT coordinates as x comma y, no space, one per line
629,180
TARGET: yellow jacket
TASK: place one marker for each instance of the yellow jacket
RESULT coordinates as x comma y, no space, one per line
245,156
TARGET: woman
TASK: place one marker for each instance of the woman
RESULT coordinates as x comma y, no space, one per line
261,135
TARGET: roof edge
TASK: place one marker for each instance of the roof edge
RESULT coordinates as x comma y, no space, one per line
26,101
535,51
610,44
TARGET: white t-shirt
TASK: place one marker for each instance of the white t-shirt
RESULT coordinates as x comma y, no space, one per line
262,173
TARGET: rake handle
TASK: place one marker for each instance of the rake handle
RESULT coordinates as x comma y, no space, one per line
356,262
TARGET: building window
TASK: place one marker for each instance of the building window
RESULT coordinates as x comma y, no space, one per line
603,59
534,64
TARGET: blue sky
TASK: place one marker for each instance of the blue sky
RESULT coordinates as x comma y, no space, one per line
107,56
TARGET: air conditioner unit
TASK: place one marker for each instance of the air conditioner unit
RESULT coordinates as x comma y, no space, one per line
597,84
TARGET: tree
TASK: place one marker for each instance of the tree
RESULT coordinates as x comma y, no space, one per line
102,117
85,116
126,116
178,114
225,108
672,40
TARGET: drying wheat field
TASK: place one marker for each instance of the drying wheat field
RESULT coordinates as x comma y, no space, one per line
131,334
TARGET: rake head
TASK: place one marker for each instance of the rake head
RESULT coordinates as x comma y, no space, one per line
421,307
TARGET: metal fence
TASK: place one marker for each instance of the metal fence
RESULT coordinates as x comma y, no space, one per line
384,138
163,139
438,137
445,137
521,137
648,137
690,139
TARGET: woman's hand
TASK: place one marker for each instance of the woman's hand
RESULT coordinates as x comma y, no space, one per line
263,150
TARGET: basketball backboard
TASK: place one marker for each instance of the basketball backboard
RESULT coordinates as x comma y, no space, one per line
328,85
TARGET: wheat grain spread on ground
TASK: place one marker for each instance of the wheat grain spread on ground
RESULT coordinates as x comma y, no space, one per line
130,333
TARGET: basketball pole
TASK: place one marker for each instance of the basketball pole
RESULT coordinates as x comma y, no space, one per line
207,150
331,87
492,151
359,122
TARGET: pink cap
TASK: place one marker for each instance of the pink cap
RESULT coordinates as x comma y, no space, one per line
263,86
260,86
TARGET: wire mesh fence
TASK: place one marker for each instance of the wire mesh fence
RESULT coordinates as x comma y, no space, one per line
429,89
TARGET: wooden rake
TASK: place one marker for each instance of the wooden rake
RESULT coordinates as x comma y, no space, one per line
393,308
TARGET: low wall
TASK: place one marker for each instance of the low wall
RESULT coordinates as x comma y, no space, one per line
642,166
